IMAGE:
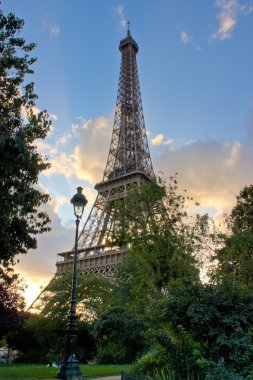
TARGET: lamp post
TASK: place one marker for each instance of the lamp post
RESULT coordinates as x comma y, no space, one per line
70,368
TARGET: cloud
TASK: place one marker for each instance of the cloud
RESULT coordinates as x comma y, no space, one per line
229,12
187,39
169,142
51,27
60,200
63,140
52,116
61,162
54,30
234,155
159,139
86,160
120,13
91,153
213,172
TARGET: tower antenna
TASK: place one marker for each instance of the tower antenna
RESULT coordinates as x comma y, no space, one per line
128,28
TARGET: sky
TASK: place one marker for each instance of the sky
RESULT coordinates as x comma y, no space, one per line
195,68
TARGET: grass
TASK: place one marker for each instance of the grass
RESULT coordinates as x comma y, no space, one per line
41,371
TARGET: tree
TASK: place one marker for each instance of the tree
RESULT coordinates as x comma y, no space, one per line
235,257
161,245
242,213
21,218
212,327
120,336
11,307
199,329
39,339
202,329
93,294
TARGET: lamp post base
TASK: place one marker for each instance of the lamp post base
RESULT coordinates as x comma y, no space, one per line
70,370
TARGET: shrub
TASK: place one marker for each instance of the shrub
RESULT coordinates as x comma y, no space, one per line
111,355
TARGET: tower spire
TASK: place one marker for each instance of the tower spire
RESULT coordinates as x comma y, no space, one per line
128,28
128,165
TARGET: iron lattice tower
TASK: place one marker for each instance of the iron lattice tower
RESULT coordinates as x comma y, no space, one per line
128,165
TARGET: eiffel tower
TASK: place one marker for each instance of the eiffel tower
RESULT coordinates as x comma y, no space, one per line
128,165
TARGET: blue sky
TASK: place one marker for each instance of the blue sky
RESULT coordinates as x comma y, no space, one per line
195,69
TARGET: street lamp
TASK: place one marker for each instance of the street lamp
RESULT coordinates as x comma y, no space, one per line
70,368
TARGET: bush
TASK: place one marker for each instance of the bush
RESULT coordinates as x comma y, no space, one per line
149,362
111,355
219,371
120,336
164,374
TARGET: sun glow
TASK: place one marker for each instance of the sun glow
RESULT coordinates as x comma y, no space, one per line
33,290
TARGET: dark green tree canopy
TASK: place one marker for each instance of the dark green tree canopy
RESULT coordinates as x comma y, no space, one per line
11,307
210,324
120,336
93,294
21,218
242,213
161,241
235,257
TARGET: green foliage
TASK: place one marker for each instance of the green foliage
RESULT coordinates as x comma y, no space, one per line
12,306
219,371
235,260
43,335
93,295
42,339
209,323
38,338
119,336
111,354
161,244
20,164
155,358
242,213
163,374
157,311
235,257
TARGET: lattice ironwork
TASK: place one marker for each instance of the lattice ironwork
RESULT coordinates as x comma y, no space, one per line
128,165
